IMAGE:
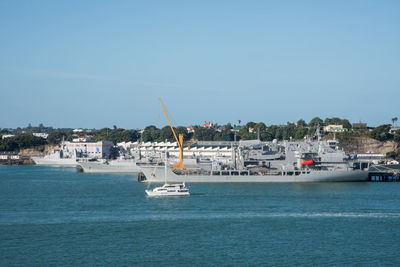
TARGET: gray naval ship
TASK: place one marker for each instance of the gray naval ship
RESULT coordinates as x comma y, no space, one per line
57,158
127,162
256,161
120,165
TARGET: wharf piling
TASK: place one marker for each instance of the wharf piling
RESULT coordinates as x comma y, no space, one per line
383,177
384,173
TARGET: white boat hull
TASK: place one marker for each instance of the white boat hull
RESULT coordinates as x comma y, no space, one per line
160,194
168,190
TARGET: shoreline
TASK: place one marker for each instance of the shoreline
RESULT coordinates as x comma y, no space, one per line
26,161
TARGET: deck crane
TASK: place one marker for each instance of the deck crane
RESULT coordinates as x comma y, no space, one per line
177,165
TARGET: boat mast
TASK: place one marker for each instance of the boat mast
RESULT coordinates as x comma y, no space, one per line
165,167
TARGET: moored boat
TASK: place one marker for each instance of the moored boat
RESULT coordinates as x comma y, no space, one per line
110,166
156,174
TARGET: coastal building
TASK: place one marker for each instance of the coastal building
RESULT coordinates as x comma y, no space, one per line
101,149
190,129
42,135
236,128
9,155
370,157
7,136
207,124
333,128
205,149
81,139
220,128
393,129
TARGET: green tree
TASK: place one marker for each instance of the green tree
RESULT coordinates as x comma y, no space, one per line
5,131
316,121
204,134
182,130
122,135
224,136
261,127
166,134
330,121
249,125
394,120
381,133
397,136
266,136
301,123
8,144
346,124
20,142
271,132
300,132
150,134
393,154
55,137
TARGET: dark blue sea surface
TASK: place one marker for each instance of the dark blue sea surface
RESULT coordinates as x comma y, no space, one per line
57,216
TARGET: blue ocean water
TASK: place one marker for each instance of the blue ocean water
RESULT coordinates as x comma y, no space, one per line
57,216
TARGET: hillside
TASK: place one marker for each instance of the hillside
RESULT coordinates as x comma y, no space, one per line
38,151
363,144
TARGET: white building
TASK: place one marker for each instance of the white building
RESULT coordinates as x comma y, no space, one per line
101,149
81,139
42,135
333,128
7,136
9,155
393,129
145,149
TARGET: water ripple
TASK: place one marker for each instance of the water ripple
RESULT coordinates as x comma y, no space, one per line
42,218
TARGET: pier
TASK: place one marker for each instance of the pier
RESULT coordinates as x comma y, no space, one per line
384,173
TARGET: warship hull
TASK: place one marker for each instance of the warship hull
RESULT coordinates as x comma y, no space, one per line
110,167
55,162
157,175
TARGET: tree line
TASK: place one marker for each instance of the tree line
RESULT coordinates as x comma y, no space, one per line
251,130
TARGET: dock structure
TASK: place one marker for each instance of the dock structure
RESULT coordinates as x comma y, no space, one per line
384,173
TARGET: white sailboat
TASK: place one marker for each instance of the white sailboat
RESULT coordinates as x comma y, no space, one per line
168,189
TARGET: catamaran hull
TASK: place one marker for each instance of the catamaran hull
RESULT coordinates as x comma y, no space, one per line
156,175
165,194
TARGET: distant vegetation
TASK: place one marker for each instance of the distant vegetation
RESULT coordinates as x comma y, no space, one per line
251,130
381,133
20,142
115,135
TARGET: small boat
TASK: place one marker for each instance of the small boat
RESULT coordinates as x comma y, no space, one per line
168,189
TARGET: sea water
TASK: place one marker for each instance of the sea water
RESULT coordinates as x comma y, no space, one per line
57,216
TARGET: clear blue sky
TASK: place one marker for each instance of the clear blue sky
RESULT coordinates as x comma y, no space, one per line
94,64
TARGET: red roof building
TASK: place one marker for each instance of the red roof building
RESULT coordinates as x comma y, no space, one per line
207,125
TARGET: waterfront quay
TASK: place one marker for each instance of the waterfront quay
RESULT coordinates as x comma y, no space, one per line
384,173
